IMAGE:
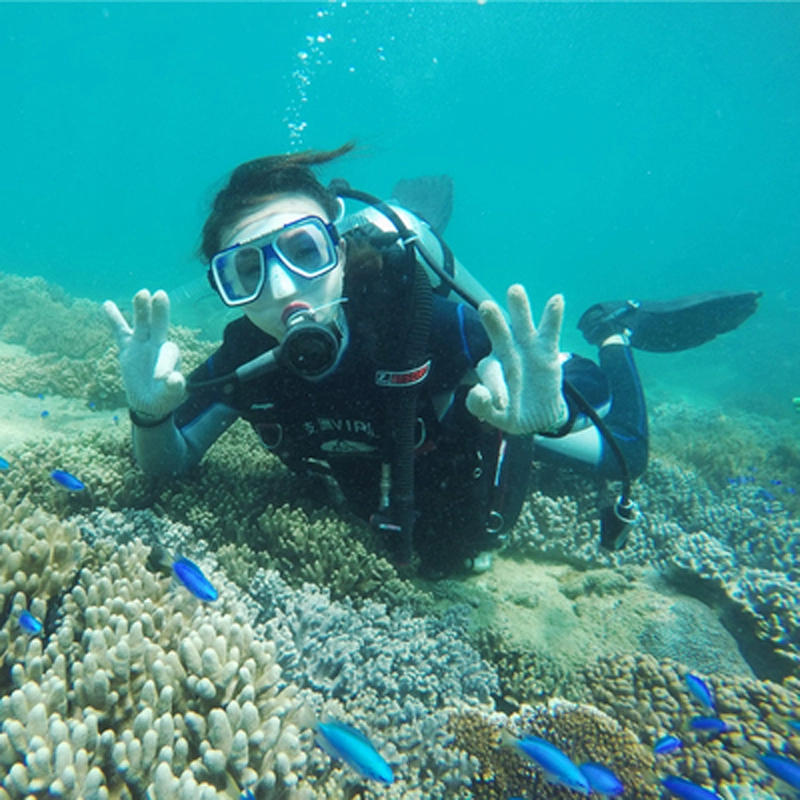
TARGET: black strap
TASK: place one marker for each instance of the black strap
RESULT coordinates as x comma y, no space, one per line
402,414
404,352
147,422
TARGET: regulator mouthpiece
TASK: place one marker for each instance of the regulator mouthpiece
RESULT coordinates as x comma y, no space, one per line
309,349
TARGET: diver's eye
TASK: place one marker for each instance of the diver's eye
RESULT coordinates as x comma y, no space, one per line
248,267
305,248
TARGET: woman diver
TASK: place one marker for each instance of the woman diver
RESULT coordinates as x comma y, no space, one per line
359,354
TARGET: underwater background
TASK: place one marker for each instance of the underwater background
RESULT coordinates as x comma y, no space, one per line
605,151
602,150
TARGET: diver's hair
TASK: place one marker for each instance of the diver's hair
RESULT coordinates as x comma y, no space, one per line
251,183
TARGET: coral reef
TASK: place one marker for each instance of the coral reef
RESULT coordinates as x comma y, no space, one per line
39,558
721,445
322,548
393,675
743,544
580,731
64,345
224,500
398,675
650,698
741,541
524,676
139,688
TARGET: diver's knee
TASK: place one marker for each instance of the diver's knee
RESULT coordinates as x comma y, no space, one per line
637,459
635,455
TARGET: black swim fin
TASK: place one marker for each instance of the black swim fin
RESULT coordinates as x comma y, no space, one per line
429,197
671,325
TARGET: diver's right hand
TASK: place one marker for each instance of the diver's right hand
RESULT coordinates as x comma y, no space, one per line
148,362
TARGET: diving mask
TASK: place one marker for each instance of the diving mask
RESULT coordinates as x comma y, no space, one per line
306,247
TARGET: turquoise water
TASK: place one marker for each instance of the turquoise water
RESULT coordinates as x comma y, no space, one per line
600,150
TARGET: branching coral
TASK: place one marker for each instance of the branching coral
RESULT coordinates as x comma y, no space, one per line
68,348
650,697
140,686
323,549
582,732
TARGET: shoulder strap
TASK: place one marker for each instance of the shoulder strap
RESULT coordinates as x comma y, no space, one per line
402,365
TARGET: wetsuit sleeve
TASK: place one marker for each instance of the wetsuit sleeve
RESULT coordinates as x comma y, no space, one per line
181,441
614,392
167,449
458,342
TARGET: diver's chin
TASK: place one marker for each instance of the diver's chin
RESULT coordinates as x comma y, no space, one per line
268,323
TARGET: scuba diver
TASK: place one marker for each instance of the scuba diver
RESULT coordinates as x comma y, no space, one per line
366,352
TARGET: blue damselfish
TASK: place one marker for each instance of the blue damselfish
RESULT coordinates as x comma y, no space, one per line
29,623
686,790
787,769
3,463
191,576
557,766
351,746
700,691
667,744
602,779
69,482
709,724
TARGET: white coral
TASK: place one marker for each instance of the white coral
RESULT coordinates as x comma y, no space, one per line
188,696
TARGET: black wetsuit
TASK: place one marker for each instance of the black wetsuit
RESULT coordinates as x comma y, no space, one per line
338,422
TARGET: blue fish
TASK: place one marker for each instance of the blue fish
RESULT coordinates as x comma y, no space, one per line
602,779
557,766
786,769
69,482
666,745
45,414
3,464
709,724
687,790
700,691
191,576
351,746
29,623
247,794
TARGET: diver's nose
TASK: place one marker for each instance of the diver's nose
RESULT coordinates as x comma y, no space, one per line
280,282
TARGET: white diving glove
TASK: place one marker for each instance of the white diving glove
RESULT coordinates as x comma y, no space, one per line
520,381
148,362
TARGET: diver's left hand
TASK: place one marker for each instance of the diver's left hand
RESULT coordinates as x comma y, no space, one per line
520,381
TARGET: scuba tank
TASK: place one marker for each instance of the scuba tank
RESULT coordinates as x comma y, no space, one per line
448,276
